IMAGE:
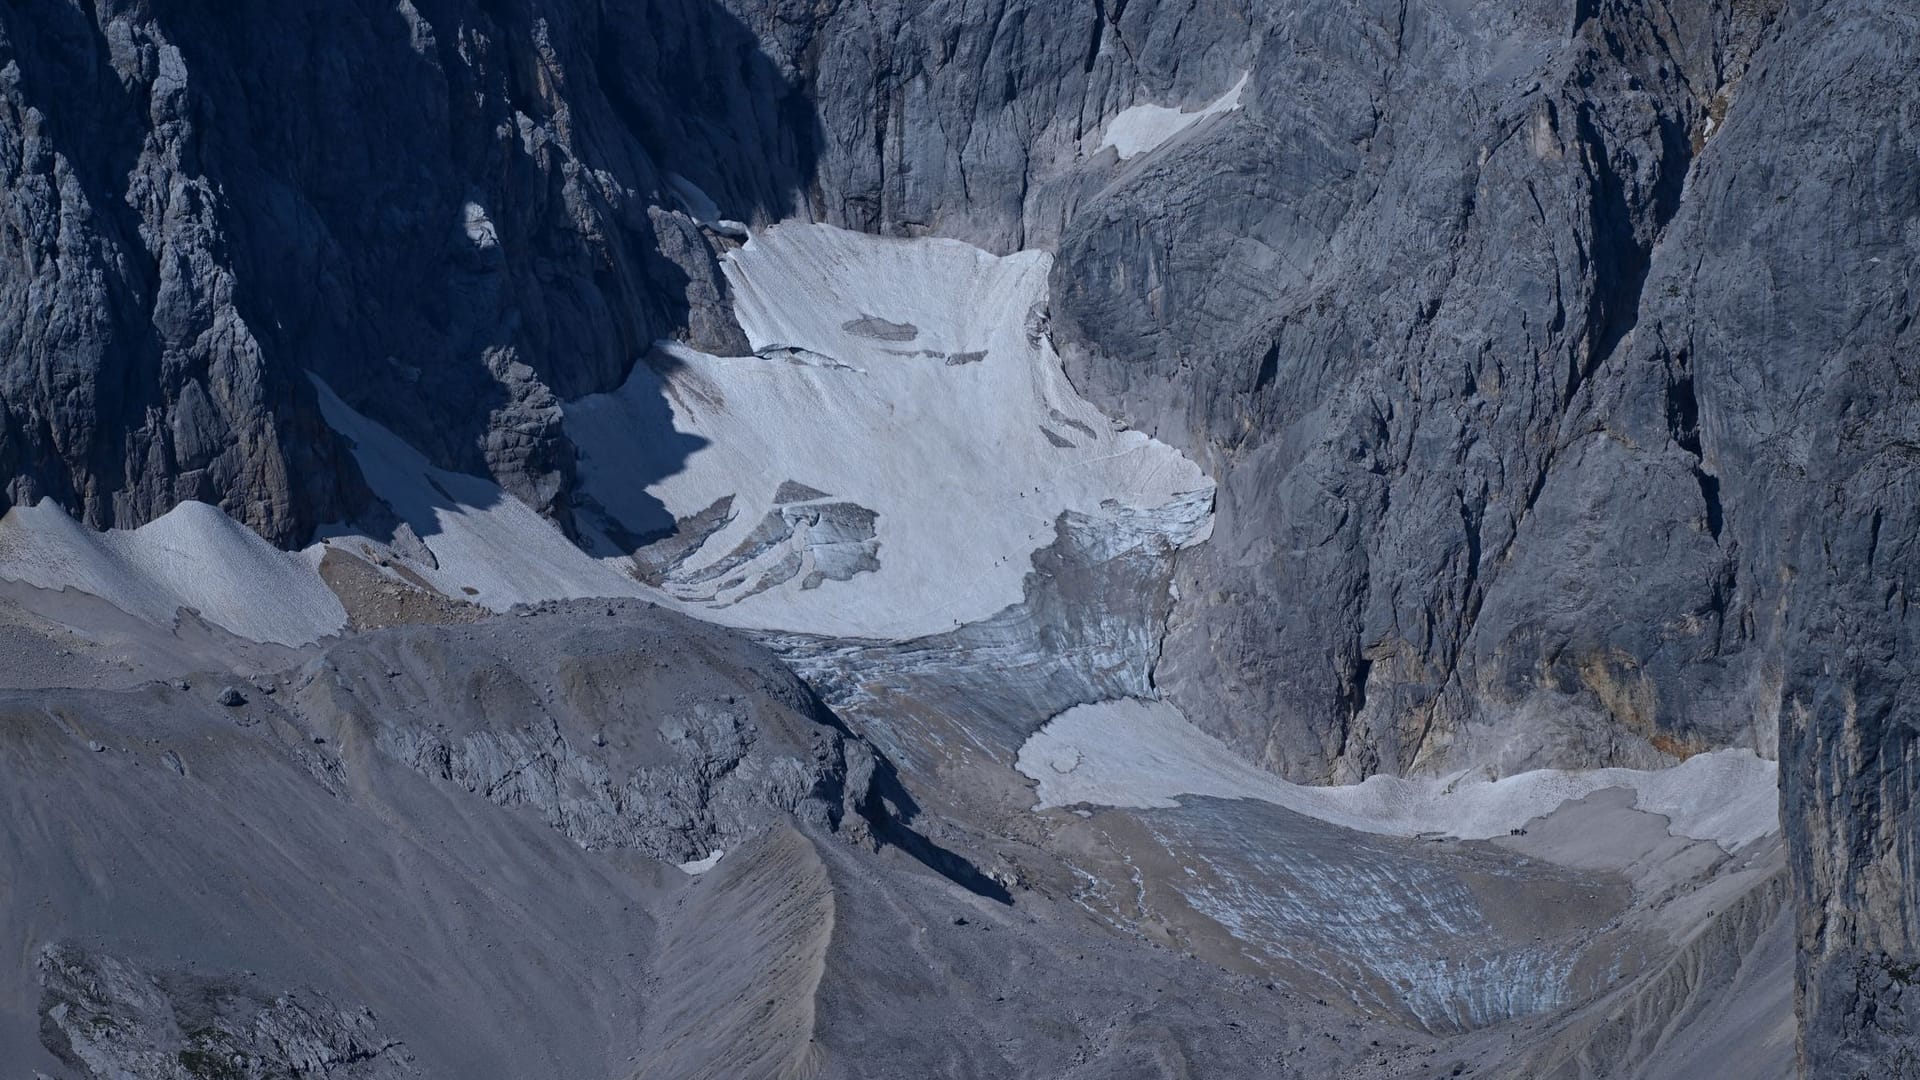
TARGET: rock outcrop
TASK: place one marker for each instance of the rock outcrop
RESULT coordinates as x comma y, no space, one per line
621,726
457,214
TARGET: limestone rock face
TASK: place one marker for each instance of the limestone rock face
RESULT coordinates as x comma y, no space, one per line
1557,385
634,730
1554,363
1389,311
457,214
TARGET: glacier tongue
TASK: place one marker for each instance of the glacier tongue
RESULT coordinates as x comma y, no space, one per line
889,460
1144,753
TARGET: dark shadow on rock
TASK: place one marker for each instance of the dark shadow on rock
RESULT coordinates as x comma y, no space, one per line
657,449
890,826
127,386
459,213
890,810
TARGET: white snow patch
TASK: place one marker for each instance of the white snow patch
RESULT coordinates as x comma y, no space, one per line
1140,128
701,866
479,227
1144,753
701,207
194,556
492,548
911,378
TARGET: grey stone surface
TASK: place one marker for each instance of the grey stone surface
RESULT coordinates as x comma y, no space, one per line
1557,383
112,1018
455,213
1554,360
1381,310
645,731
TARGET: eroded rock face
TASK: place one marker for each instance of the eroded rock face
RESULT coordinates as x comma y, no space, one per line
1806,375
635,729
1553,361
457,214
1382,310
114,1018
1557,396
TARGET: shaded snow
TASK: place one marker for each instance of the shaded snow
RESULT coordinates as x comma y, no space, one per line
491,548
193,557
910,379
701,866
1141,128
1145,753
700,206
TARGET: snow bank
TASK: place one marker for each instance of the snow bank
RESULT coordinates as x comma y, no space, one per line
490,547
886,465
1144,753
194,557
1141,128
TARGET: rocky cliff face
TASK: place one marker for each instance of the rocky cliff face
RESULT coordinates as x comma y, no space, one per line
1790,294
1390,310
455,214
1583,431
1553,359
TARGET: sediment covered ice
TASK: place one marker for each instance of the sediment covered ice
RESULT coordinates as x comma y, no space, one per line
1145,754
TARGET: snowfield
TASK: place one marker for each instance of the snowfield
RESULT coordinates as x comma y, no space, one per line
1141,129
1144,754
887,463
884,467
194,556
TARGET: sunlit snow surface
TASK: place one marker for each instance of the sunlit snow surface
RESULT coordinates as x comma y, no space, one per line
1146,754
194,556
888,462
1142,128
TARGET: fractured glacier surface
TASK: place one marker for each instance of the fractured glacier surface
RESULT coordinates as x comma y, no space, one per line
909,388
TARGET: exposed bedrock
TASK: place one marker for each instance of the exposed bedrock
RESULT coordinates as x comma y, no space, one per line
456,213
114,1018
1559,391
622,726
1386,311
1807,376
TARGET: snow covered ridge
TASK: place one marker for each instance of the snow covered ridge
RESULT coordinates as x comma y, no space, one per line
886,464
1144,753
194,556
1142,128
